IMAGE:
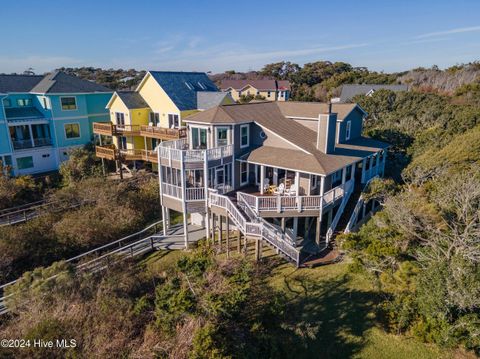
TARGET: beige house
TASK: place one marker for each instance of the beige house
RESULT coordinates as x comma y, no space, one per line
270,90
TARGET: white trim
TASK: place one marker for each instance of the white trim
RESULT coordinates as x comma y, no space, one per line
79,131
76,103
215,133
168,119
248,135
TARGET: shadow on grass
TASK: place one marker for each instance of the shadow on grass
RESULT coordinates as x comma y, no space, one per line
324,318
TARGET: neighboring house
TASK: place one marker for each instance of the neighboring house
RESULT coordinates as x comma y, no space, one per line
280,172
270,90
155,111
350,91
43,117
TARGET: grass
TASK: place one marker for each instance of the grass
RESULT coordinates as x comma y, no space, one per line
334,312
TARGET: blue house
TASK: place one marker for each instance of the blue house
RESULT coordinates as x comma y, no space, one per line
43,117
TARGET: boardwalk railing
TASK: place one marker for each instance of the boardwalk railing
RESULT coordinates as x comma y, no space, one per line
105,255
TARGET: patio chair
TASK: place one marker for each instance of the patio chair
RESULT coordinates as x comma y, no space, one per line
292,191
280,189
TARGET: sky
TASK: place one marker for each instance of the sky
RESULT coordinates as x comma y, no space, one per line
242,35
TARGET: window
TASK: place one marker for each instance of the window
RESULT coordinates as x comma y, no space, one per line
222,139
239,93
269,93
348,130
122,143
244,136
7,102
263,135
173,121
281,93
25,162
154,118
68,103
72,130
120,118
199,138
258,93
45,104
23,102
243,172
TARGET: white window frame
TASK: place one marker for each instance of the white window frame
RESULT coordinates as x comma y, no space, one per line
70,109
246,165
79,131
348,130
216,135
248,136
190,135
122,115
24,99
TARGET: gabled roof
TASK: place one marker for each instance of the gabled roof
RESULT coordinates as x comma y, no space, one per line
18,83
22,113
350,91
60,83
313,109
182,87
131,99
306,157
209,99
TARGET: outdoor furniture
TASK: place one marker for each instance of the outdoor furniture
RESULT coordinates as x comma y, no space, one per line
280,189
292,191
272,188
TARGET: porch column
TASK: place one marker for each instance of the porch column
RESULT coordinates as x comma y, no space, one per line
262,178
317,230
185,227
165,221
212,229
275,176
227,220
344,175
207,224
220,229
239,241
322,185
283,224
353,171
31,135
330,217
295,228
297,183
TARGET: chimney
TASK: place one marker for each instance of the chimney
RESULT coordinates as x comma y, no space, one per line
326,134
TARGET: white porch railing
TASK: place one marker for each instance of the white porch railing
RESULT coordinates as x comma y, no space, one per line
173,150
293,203
172,190
195,194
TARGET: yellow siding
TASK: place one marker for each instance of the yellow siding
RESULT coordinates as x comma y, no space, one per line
118,106
158,100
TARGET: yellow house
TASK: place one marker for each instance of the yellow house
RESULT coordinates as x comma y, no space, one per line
140,119
270,90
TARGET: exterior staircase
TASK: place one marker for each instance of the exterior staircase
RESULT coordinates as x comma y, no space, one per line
251,225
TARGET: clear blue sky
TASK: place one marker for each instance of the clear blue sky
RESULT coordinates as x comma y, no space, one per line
221,35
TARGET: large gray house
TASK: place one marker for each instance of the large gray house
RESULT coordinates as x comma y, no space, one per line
280,172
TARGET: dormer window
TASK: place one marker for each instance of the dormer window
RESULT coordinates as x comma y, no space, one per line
348,130
7,102
189,85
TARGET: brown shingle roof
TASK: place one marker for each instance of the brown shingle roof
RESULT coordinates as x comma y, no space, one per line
313,109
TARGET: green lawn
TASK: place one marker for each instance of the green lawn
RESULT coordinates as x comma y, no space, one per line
334,310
